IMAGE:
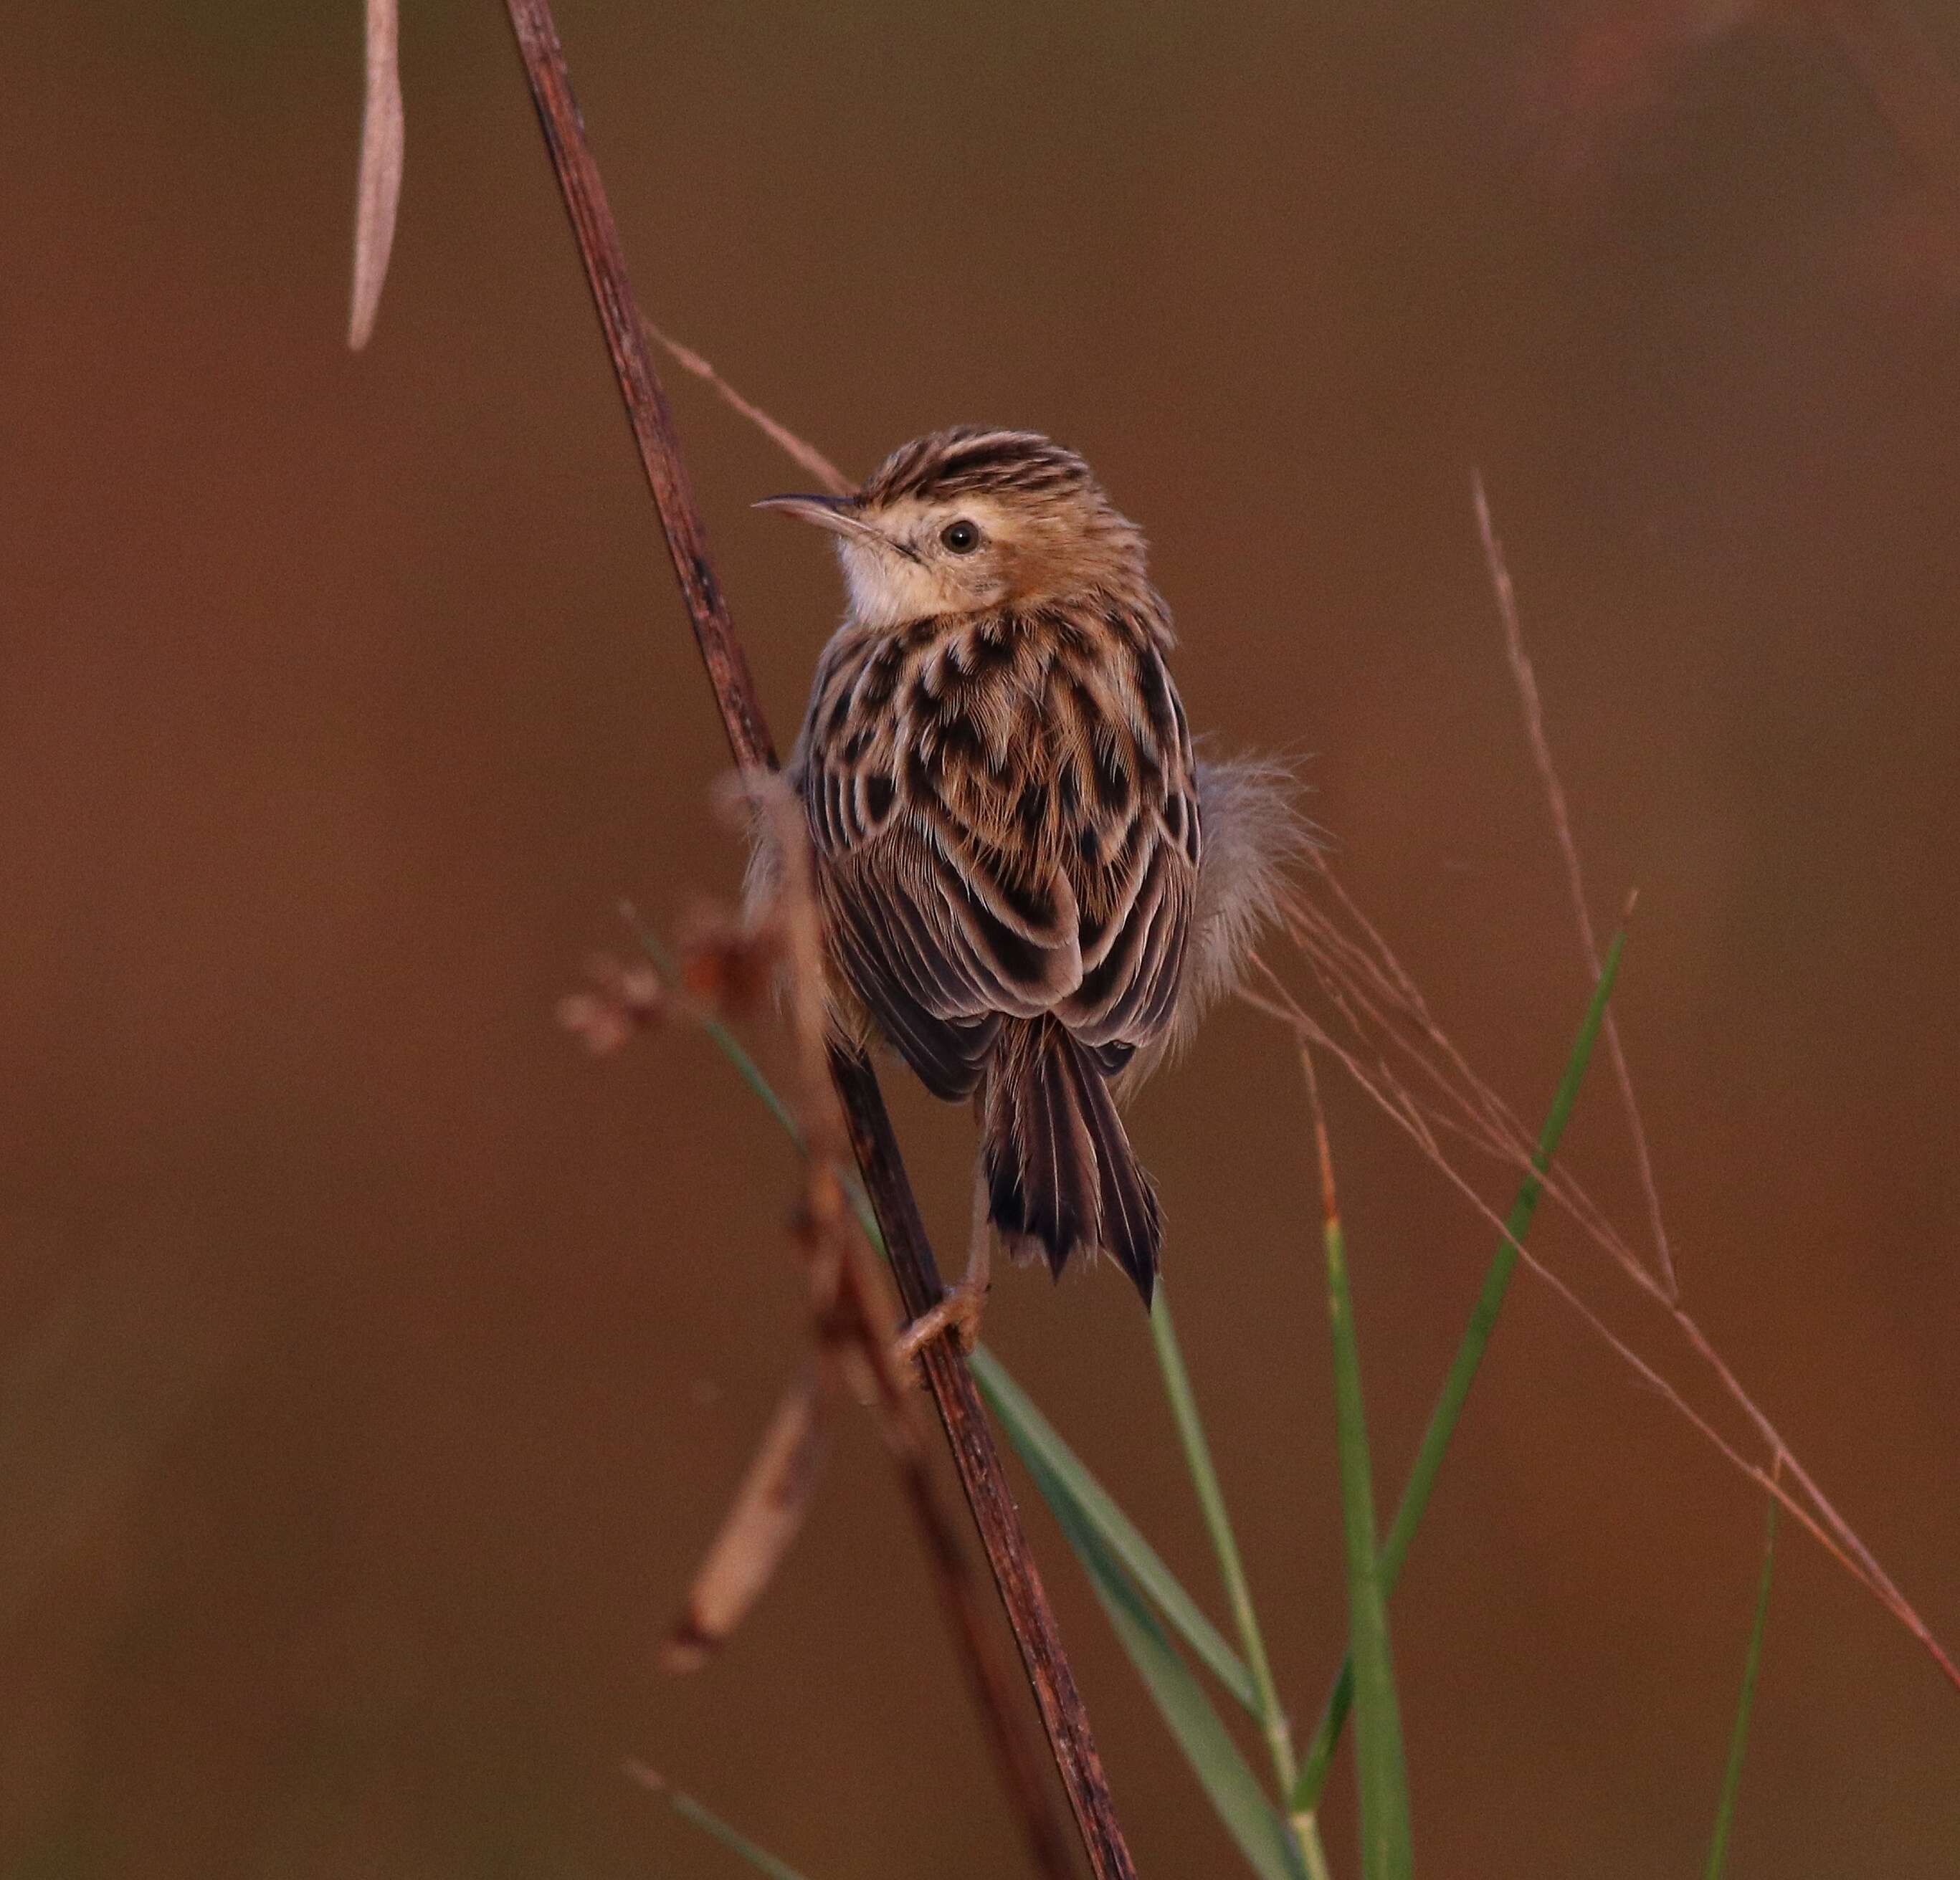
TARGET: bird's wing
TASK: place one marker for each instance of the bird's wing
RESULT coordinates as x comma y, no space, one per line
938,917
1133,838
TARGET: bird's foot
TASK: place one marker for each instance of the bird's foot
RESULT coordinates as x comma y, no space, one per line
958,1311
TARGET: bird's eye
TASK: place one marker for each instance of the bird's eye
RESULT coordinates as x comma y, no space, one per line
962,537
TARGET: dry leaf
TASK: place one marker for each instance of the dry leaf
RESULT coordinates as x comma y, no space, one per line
379,187
767,1511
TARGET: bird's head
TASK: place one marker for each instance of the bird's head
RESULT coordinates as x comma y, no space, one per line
973,520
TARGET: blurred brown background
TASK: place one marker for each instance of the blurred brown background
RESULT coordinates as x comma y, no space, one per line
373,1366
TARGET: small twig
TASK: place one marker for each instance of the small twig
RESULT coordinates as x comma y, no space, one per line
804,454
975,1453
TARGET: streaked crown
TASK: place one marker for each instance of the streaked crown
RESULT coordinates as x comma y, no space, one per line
977,460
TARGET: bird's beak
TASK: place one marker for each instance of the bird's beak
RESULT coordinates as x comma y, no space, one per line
836,513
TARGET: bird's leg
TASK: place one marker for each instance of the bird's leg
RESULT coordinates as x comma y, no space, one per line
964,1300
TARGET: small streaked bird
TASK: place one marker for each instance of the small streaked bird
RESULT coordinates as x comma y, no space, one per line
1030,886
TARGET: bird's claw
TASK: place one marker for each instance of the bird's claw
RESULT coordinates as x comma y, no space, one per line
958,1311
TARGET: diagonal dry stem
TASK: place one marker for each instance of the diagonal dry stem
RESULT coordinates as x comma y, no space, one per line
855,1312
975,1455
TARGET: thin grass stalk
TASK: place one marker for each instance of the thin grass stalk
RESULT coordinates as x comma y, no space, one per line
1456,1391
712,1824
1901,60
1535,735
1306,1834
1184,1411
1229,1785
1381,1772
1746,1704
1062,1477
976,1455
1813,1511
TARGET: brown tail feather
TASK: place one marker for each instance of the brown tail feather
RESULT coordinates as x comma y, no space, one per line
1061,1176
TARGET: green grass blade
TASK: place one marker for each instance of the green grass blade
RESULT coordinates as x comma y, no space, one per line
1079,1501
1745,1703
1385,1854
711,1824
1227,1778
1319,1753
1065,1482
1218,1523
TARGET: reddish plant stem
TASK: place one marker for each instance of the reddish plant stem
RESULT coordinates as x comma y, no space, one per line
974,1453
971,1438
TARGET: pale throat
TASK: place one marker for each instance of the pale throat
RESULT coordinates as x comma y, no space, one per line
887,590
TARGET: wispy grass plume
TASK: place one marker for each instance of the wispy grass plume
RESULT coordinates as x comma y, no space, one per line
1456,1391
